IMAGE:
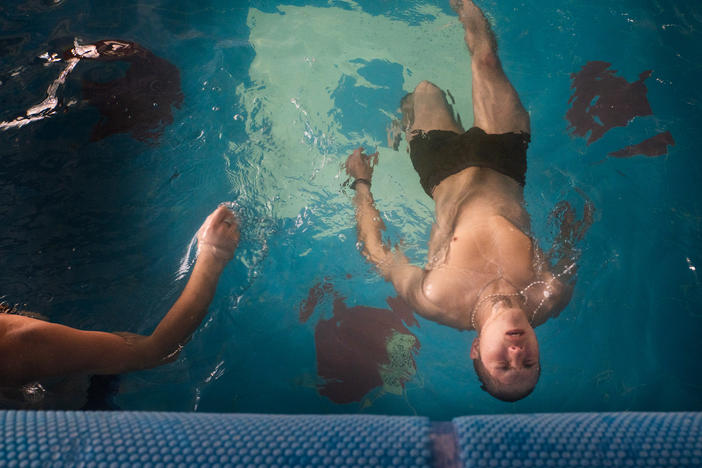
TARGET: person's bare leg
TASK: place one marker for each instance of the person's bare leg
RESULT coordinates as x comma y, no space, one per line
496,104
427,109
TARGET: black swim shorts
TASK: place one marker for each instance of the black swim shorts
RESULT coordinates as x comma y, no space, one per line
438,154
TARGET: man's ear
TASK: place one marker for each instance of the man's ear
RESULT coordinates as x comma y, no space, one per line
474,353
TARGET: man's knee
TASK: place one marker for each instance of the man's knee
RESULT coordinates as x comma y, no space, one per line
427,87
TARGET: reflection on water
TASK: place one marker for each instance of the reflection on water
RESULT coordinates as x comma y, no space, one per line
138,103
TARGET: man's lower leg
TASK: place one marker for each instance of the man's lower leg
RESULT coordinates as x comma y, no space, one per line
479,36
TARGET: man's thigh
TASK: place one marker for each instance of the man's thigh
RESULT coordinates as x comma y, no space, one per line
431,110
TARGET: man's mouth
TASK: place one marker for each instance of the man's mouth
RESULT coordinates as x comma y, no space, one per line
515,333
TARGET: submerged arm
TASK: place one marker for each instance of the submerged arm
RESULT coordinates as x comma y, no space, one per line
33,349
370,227
563,257
564,254
394,266
368,221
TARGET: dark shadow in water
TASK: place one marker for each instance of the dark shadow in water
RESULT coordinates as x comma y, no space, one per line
602,101
101,392
11,45
138,103
651,147
315,294
38,6
353,346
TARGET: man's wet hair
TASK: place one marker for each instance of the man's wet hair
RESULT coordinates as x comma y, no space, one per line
499,390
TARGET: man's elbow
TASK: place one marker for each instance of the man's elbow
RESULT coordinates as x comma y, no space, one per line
134,353
12,371
383,261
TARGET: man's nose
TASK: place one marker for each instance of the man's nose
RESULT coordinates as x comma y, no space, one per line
515,351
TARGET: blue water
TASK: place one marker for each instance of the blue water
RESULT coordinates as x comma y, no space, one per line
94,233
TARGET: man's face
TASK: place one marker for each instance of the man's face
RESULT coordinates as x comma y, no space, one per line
508,348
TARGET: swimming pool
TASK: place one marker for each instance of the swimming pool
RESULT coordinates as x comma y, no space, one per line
276,94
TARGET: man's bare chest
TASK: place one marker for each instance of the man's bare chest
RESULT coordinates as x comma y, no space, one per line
476,256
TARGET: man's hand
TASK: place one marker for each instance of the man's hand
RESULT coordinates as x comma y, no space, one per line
219,235
360,165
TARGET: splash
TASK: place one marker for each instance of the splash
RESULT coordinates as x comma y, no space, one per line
361,348
651,147
602,101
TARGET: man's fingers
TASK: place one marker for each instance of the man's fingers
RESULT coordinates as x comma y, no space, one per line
220,214
357,152
223,215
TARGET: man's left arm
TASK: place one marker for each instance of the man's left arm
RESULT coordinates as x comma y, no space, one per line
558,294
563,257
563,253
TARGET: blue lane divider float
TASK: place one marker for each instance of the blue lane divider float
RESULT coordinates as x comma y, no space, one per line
146,439
581,439
133,439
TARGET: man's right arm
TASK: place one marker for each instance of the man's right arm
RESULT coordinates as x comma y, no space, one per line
394,266
368,222
370,226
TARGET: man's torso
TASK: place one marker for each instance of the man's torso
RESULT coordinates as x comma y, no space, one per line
479,236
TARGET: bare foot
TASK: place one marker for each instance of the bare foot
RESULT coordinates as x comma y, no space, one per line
465,9
456,5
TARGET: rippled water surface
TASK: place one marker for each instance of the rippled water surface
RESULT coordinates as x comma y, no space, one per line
259,103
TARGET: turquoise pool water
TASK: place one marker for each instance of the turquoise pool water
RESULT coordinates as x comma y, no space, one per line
95,232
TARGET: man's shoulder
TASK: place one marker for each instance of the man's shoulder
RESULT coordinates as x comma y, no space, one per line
445,298
550,298
9,322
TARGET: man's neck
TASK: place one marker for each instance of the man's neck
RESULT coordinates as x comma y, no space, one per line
496,296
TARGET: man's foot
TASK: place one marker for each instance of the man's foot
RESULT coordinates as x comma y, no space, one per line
457,6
